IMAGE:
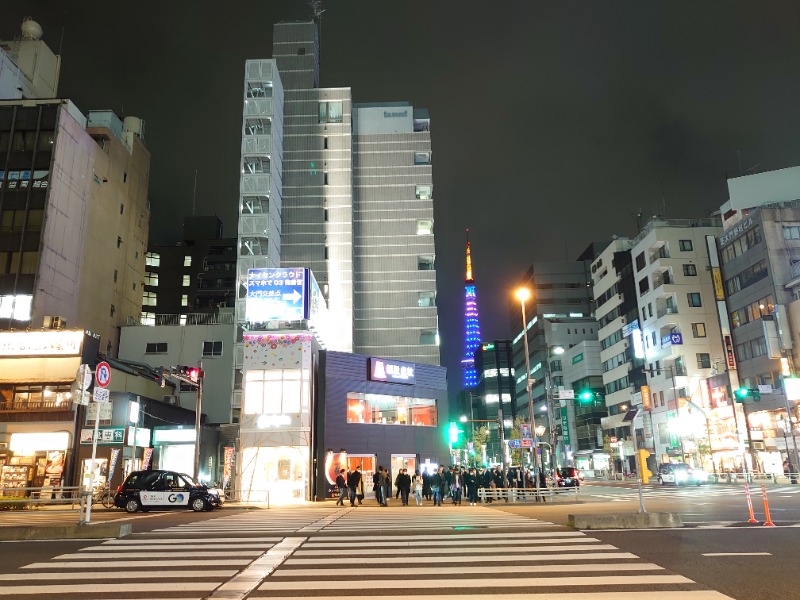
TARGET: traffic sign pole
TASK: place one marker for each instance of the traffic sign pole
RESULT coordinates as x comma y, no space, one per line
102,378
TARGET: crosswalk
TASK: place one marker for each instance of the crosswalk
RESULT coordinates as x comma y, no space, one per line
443,553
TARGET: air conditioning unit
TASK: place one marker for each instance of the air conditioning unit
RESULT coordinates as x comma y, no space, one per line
170,399
51,322
759,446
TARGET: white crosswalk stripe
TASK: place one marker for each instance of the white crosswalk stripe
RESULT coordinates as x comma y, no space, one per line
542,564
415,548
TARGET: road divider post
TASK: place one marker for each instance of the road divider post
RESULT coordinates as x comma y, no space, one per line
752,520
768,521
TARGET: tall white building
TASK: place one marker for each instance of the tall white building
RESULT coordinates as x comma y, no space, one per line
395,313
679,327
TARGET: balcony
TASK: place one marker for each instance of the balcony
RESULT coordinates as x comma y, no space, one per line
667,310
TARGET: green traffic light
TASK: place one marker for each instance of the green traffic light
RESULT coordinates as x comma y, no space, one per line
586,396
743,392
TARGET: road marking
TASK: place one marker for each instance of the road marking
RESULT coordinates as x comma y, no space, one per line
518,569
650,595
506,550
737,554
423,584
246,581
402,543
467,558
218,562
160,587
88,575
186,552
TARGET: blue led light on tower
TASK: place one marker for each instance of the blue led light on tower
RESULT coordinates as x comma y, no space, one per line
472,328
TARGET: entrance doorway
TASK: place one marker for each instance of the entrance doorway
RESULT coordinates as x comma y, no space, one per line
367,462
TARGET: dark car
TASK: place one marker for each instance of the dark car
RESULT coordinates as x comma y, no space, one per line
158,489
567,477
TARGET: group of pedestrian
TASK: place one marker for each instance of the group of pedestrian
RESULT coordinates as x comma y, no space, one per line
454,483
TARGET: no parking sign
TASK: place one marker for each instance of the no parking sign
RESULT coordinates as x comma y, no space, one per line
102,374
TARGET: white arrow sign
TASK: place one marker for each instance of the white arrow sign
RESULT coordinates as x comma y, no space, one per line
295,296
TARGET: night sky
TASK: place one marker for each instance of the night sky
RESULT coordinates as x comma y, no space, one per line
552,125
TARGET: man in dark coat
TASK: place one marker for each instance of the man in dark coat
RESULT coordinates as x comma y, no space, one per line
341,487
353,483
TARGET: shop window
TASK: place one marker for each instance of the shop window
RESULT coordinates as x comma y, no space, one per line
385,409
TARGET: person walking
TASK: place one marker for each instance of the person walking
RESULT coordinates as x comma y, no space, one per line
426,485
437,486
471,485
487,484
341,487
405,486
543,485
384,485
376,485
398,483
416,482
354,480
360,486
457,486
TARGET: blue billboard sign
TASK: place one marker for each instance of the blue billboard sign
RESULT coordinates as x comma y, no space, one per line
675,339
275,294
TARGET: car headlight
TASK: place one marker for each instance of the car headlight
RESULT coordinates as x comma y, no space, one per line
681,476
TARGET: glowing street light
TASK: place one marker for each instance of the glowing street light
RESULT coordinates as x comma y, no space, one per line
522,295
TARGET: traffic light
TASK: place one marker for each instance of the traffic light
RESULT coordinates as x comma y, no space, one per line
192,373
587,397
645,472
454,433
743,393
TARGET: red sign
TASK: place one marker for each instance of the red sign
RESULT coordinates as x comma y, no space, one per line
729,355
613,439
102,374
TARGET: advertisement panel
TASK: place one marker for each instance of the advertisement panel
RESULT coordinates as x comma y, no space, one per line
276,295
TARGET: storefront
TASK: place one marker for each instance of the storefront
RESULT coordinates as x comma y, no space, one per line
378,413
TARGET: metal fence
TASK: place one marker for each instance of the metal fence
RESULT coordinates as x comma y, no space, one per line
529,494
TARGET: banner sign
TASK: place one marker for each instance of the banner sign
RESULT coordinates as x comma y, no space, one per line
148,456
228,468
113,464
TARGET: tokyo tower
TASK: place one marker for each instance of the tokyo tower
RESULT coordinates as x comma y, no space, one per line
472,328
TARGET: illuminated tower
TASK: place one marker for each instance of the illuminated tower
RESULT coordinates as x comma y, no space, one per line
472,329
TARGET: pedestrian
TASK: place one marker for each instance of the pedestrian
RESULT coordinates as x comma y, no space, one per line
398,483
543,484
376,485
417,485
426,485
487,485
341,487
405,486
360,487
384,485
438,482
457,486
354,481
471,485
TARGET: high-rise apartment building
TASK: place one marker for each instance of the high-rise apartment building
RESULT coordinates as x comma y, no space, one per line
317,207
679,327
394,279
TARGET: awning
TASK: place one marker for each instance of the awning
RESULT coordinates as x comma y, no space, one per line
614,421
42,380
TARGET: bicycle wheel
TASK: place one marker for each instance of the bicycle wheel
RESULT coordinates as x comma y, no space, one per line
108,500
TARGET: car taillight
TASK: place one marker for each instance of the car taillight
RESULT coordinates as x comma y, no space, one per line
119,489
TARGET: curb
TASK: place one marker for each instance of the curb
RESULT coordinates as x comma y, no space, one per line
65,532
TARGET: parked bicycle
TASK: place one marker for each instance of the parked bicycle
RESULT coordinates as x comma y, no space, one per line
104,496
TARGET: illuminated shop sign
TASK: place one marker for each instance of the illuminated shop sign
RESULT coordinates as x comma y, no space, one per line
392,371
276,295
172,436
28,443
270,421
41,343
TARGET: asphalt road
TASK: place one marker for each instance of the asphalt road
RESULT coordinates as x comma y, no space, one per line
716,551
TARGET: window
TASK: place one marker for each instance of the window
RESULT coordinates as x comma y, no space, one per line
187,261
690,270
149,299
156,348
325,178
391,410
699,330
423,192
425,263
125,177
212,349
184,299
187,280
791,232
426,299
680,366
685,245
424,226
151,279
427,337
644,286
119,241
147,318
152,259
753,311
325,215
422,158
694,299
325,143
703,360
254,246
255,206
330,112
640,262
276,392
301,51
747,277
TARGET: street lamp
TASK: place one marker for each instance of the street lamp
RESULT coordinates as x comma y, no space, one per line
522,295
